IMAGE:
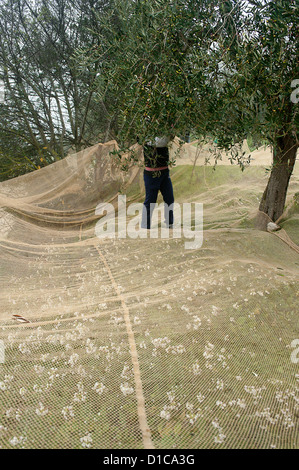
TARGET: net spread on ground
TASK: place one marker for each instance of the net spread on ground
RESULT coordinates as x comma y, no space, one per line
141,343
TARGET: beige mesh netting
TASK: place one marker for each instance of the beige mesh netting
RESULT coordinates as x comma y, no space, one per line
140,343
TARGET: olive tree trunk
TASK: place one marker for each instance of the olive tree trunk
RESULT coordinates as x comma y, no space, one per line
284,157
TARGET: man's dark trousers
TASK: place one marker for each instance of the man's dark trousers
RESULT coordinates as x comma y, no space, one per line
154,184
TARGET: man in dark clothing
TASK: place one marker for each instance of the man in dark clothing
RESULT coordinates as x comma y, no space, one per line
156,178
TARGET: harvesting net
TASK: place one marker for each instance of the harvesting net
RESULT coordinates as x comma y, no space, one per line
140,343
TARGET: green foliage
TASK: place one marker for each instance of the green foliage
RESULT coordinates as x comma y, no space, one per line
260,65
220,68
152,56
50,105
